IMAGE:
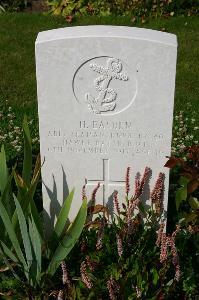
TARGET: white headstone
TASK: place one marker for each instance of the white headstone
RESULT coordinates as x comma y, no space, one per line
105,98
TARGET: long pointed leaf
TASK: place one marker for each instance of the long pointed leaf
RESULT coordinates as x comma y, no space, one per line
35,178
36,242
27,162
37,168
9,265
9,253
37,218
30,195
69,240
25,192
11,233
63,215
3,183
3,170
24,232
7,197
21,196
33,269
6,202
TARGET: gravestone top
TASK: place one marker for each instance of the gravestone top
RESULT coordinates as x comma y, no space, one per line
105,102
107,31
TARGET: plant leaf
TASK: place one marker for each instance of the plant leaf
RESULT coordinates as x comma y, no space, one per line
194,203
27,162
36,244
37,168
173,162
63,215
20,182
25,197
155,276
6,199
191,217
192,185
181,195
11,233
9,265
9,253
37,249
3,170
33,269
97,209
183,181
24,232
37,218
170,282
7,195
69,240
93,224
35,178
21,196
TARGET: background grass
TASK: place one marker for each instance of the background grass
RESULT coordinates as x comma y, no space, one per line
18,32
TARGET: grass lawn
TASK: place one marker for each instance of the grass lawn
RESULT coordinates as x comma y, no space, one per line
17,62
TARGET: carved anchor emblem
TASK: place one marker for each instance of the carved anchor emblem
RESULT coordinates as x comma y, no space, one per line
106,99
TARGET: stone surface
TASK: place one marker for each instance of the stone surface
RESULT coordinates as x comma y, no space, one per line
105,98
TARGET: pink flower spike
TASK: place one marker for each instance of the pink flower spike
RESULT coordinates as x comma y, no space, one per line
157,194
65,277
116,202
83,192
127,181
119,245
159,234
93,197
113,288
163,248
84,276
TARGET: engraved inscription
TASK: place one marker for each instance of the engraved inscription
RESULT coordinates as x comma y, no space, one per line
106,98
106,138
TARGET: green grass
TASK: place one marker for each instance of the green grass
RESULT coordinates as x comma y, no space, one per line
17,62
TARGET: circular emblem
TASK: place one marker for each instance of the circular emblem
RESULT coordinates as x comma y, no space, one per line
105,85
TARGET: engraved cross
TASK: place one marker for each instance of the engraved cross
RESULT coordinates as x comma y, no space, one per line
105,182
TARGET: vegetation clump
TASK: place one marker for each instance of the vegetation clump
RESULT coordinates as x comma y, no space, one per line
126,252
123,251
140,9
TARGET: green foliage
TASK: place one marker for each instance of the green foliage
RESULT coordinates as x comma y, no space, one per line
28,252
23,246
140,8
185,130
27,164
13,5
2,9
69,239
122,255
63,216
11,133
3,170
187,193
